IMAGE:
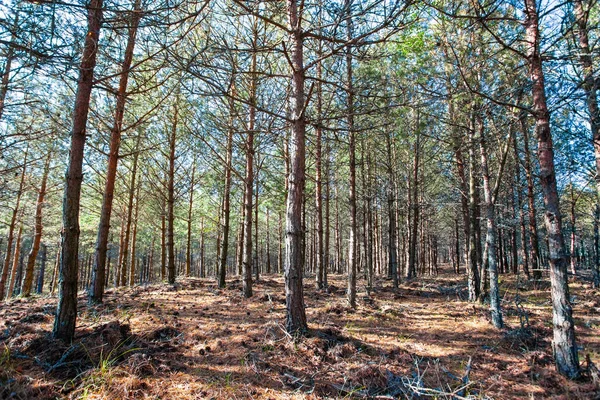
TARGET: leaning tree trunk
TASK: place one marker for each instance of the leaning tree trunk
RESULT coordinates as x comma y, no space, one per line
294,295
564,344
66,312
37,236
98,275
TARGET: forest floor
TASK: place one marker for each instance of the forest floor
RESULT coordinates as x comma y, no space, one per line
193,340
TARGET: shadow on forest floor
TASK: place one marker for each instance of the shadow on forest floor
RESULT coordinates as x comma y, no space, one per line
193,340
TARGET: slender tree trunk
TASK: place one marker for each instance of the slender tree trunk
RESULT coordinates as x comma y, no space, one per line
472,271
393,253
227,189
11,228
15,266
134,261
40,281
533,234
414,211
564,344
98,276
294,295
8,65
188,250
353,240
255,261
249,183
163,245
490,245
268,250
319,179
37,236
128,220
573,256
66,312
171,197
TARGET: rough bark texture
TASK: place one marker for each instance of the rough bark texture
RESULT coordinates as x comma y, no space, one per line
564,344
98,275
294,294
66,312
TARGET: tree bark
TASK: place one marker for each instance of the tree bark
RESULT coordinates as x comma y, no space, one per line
353,239
249,180
564,344
294,295
98,276
66,312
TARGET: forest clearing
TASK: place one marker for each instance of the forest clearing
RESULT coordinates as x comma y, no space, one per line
299,199
195,340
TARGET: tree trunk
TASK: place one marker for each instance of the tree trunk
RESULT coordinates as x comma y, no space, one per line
15,266
564,344
490,245
66,312
472,271
125,250
40,281
249,180
171,197
353,239
98,276
294,295
590,86
11,228
134,261
188,250
37,235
